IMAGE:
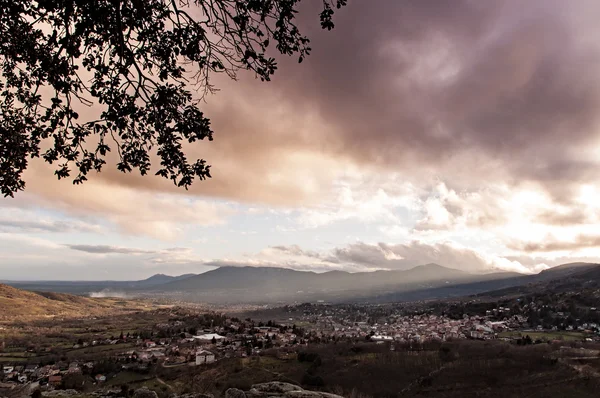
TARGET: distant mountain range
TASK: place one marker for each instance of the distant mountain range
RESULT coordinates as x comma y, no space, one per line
281,285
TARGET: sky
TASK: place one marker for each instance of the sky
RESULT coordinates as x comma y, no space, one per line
464,133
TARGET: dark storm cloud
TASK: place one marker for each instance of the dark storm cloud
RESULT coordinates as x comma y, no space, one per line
407,83
473,92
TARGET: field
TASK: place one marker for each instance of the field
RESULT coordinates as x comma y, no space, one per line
546,336
47,339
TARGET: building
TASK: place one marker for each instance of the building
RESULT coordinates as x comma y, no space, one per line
55,380
100,378
204,356
382,338
208,337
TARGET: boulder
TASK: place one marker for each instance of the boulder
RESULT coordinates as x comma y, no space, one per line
310,394
60,393
303,394
276,387
234,393
144,393
194,395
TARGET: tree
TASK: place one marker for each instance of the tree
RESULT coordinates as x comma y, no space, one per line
138,61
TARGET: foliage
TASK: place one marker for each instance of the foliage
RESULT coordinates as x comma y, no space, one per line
138,60
312,380
309,357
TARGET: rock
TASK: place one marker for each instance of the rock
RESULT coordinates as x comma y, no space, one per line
310,394
60,393
198,395
234,393
276,387
144,393
303,394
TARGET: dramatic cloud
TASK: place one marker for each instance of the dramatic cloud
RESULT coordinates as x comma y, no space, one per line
463,89
466,132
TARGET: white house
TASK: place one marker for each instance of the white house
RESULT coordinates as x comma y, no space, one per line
208,337
204,356
379,337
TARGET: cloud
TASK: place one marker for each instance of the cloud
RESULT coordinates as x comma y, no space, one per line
566,217
26,221
468,131
447,209
172,256
44,226
360,197
296,251
463,90
159,215
365,257
551,244
104,249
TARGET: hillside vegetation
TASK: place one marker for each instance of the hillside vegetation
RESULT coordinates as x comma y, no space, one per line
17,303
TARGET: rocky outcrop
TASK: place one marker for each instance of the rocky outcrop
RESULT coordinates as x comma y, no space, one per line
278,389
274,389
144,393
61,393
234,393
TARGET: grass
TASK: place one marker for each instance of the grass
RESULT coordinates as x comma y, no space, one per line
126,378
10,360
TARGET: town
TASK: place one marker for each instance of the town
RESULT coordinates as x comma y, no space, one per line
183,338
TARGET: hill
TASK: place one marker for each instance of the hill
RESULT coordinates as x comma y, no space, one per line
261,285
87,287
265,284
571,277
27,305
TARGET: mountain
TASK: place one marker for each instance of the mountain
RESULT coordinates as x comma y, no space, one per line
87,287
21,304
261,285
565,270
267,284
571,277
159,279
